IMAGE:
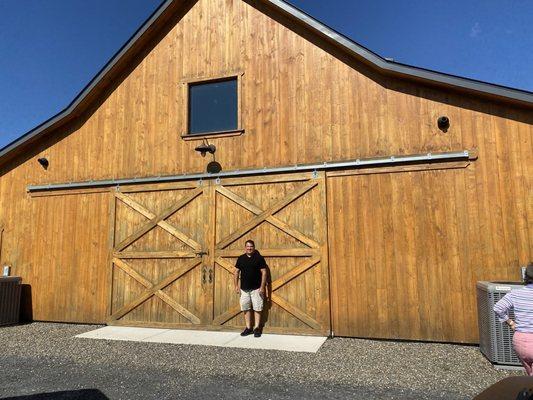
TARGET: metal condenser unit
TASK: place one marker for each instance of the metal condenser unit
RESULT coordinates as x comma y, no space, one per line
495,338
9,300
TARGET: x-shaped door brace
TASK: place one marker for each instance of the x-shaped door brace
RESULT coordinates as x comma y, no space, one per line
277,284
159,220
155,290
267,215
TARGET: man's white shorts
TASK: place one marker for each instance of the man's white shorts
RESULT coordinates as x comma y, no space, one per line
251,299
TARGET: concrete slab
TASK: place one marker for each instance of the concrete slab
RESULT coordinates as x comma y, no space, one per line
202,338
122,333
307,344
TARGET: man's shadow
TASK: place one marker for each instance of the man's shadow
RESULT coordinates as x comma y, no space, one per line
267,306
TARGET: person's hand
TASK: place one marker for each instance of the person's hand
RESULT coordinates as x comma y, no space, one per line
237,289
512,325
262,291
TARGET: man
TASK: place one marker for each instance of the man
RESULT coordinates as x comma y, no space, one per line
251,269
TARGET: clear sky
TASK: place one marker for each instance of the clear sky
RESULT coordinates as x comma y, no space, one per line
49,50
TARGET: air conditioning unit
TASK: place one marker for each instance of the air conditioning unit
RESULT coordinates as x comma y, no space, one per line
9,300
495,338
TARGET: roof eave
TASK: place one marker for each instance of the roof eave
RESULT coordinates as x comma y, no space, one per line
516,96
74,107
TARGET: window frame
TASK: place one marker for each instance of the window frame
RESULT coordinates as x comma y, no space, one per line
198,80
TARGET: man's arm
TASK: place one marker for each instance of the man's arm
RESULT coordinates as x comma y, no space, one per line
236,274
262,289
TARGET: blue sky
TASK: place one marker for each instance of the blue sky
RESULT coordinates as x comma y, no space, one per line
49,50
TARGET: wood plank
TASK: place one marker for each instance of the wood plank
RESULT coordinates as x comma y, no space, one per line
178,307
1,239
208,291
153,254
150,292
226,265
285,252
262,179
158,187
110,246
271,219
261,217
324,315
131,272
401,168
215,135
302,316
159,293
158,218
70,192
223,74
293,273
163,224
220,319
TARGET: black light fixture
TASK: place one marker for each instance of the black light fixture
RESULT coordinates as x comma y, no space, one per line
44,162
205,148
214,167
443,123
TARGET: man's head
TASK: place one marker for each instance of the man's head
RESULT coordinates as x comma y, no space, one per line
250,247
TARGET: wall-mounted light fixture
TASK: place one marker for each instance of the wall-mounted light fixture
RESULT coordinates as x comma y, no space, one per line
213,167
44,162
443,123
205,148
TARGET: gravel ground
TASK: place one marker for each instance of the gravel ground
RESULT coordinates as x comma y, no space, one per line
45,361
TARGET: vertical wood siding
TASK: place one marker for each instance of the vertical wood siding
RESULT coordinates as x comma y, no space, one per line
406,251
300,104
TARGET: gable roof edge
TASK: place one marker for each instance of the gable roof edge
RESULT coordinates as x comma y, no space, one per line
392,67
70,110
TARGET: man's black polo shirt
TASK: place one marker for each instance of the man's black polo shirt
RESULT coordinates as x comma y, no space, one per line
250,268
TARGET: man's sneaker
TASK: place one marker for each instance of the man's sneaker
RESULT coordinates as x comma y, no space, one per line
257,332
247,331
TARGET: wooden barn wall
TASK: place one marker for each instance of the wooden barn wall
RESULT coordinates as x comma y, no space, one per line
406,251
300,104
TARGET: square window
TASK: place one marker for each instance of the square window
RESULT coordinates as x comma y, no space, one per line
213,106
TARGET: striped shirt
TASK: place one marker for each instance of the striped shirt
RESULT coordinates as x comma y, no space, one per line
521,302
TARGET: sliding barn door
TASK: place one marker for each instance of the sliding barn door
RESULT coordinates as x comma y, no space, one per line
160,241
175,247
286,217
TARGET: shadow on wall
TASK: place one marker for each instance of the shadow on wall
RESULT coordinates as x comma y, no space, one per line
268,300
85,394
26,304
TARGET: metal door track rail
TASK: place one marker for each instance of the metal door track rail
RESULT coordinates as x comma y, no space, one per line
358,163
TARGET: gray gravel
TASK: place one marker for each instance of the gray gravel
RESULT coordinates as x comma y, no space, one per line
45,358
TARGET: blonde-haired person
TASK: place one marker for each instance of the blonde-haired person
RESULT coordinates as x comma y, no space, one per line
521,302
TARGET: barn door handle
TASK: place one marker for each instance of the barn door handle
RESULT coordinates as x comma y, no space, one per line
203,275
210,276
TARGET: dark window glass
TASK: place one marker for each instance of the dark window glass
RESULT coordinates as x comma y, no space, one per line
213,106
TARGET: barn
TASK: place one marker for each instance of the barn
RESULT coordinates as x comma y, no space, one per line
378,193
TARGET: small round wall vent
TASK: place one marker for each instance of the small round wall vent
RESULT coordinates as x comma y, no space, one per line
443,123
